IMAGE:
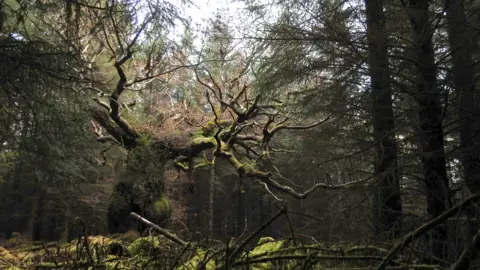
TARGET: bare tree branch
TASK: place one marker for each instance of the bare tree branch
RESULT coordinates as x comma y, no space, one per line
407,239
469,253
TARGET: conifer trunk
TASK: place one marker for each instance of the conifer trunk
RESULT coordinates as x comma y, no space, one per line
430,116
387,206
463,77
211,199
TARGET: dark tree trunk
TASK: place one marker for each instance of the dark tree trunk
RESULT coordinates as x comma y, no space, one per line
387,207
462,46
211,199
430,116
228,203
240,212
221,208
463,76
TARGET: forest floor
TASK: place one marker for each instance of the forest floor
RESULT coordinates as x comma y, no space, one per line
130,251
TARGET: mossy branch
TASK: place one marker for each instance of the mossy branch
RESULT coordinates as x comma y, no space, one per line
101,116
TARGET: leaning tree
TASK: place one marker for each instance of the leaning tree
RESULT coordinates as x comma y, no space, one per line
241,127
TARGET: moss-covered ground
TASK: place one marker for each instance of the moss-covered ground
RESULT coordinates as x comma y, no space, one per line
130,251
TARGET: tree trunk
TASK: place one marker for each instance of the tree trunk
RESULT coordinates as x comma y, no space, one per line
430,116
387,207
32,218
211,199
240,212
463,76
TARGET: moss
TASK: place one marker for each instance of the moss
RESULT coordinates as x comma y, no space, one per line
209,128
194,262
144,140
17,241
100,240
250,166
265,245
234,161
144,245
204,140
140,185
265,240
113,262
137,197
6,256
47,265
162,205
107,245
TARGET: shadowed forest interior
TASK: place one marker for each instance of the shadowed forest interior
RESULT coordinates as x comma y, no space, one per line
235,134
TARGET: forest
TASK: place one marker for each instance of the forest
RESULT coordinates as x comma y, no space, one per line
240,134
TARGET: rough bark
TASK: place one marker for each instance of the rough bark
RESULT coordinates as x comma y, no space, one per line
464,81
387,207
430,116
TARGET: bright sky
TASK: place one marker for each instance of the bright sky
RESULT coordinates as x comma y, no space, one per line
200,13
204,9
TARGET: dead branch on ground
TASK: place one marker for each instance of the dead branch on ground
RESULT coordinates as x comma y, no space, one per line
159,229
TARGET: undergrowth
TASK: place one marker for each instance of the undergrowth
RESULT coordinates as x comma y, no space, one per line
158,252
